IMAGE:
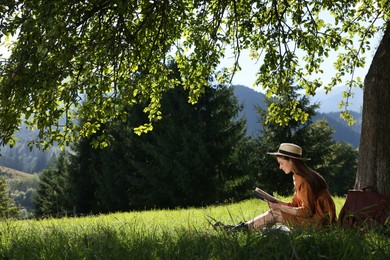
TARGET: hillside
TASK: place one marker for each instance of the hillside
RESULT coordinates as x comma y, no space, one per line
20,157
13,174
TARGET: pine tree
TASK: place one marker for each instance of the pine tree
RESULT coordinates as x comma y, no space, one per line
99,179
53,194
189,157
7,207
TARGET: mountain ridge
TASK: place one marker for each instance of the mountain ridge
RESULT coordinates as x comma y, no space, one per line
13,174
250,99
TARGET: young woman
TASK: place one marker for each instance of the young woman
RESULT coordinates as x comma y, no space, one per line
311,205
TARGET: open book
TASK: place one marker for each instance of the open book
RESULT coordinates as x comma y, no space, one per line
260,194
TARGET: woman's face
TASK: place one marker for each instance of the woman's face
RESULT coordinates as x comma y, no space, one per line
285,165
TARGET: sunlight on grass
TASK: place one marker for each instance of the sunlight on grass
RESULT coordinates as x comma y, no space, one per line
179,233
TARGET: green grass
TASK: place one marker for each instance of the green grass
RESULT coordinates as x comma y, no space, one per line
181,234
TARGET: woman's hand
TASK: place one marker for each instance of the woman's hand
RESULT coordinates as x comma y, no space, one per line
283,207
272,205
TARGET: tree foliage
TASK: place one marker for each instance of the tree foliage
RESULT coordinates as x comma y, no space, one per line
113,54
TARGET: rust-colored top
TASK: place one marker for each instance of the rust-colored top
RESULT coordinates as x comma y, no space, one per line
312,210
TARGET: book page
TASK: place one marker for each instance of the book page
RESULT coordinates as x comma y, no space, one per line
260,194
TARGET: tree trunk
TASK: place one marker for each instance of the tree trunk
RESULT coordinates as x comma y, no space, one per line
374,151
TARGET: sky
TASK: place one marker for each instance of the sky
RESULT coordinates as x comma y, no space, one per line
247,76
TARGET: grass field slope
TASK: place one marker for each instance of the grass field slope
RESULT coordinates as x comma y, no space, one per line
183,234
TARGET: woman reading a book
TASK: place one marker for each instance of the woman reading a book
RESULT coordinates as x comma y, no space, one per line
311,205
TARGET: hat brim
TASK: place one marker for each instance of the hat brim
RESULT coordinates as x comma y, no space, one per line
290,156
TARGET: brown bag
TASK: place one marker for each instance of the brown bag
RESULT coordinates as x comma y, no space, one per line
364,208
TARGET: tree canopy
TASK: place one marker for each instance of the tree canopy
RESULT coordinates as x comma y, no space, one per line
114,54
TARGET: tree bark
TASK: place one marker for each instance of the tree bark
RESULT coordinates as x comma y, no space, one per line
374,151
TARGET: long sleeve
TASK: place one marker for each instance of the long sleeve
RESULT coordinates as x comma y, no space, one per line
308,208
305,197
303,200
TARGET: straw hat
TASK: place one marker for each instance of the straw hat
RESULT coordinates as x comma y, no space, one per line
289,150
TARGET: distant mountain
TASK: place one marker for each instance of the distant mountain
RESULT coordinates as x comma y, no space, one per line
330,102
250,99
21,158
343,132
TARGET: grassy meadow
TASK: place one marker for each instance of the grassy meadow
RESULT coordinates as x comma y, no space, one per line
182,234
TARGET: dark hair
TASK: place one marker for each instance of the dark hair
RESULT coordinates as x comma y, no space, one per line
316,181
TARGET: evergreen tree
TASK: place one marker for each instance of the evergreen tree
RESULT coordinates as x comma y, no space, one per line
189,158
7,207
340,165
52,193
99,178
83,168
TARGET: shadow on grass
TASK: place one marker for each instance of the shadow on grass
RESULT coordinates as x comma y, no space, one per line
129,242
